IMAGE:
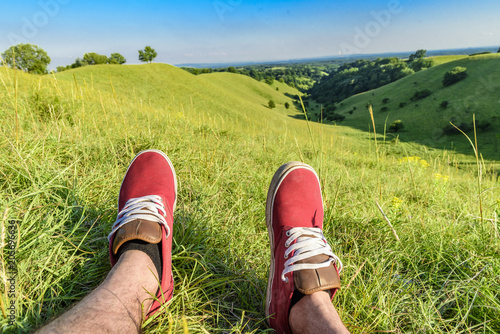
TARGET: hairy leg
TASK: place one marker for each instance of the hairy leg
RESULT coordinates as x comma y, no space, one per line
315,313
118,304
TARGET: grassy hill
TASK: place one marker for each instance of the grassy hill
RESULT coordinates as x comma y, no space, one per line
67,139
426,120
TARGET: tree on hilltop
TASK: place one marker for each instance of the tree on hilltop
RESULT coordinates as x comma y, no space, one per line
27,57
93,58
498,50
417,55
147,55
117,58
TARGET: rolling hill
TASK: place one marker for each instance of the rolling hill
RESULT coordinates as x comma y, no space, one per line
426,120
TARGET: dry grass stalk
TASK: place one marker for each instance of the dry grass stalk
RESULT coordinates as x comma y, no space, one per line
370,109
388,221
479,164
355,275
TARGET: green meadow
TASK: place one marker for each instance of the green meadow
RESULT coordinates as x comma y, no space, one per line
67,139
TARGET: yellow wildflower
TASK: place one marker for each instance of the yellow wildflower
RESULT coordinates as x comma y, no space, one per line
438,176
422,162
397,202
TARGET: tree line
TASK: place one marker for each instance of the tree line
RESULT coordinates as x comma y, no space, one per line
93,58
33,59
300,76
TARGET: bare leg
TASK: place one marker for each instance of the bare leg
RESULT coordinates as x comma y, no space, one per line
118,304
315,313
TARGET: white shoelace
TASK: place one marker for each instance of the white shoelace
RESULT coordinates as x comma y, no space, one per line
147,207
313,243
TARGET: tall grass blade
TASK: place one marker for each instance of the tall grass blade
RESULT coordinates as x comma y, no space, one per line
478,163
307,121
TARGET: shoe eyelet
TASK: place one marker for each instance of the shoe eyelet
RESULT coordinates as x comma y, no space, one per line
287,244
286,279
286,256
288,233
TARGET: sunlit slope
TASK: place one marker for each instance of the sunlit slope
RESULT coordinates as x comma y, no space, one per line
235,98
438,60
426,120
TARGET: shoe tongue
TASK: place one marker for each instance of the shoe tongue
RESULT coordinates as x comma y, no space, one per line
308,281
139,229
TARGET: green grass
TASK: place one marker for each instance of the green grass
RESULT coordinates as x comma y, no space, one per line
61,168
425,119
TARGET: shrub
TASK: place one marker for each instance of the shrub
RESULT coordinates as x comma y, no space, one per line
49,107
335,117
444,104
402,104
451,130
483,126
421,94
287,105
384,109
396,125
271,104
385,100
455,75
422,64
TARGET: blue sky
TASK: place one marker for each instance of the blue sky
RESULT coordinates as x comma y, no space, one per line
213,31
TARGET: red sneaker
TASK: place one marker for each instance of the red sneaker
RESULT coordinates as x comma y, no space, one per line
301,258
146,204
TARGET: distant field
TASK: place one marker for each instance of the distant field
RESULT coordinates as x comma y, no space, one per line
438,60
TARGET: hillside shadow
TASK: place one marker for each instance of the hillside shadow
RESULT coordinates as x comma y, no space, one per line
291,96
488,141
298,116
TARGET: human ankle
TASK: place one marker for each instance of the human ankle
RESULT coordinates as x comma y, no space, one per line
136,267
311,311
